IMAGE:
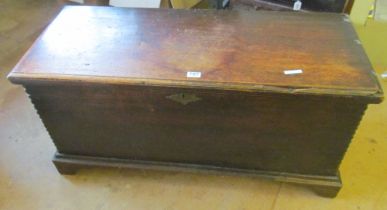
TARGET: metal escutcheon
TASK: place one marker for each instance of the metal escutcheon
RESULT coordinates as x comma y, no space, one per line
184,98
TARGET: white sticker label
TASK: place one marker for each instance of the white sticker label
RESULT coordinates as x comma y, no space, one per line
194,74
294,71
297,5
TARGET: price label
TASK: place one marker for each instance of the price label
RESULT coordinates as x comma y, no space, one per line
297,5
293,71
194,74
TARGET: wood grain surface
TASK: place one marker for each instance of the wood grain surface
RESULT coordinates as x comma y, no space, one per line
258,131
232,49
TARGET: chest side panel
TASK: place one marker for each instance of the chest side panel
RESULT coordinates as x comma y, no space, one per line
265,131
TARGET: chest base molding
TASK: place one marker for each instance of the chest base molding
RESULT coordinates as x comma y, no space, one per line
327,186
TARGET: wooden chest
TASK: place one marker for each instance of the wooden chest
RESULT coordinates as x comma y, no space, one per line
270,94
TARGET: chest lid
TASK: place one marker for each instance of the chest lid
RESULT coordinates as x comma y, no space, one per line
232,50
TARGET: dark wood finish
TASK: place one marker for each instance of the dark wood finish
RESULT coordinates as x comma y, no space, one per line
260,5
337,6
326,190
327,186
97,2
88,2
324,5
230,48
262,131
348,6
110,86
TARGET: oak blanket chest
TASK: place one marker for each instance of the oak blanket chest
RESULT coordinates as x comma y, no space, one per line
271,94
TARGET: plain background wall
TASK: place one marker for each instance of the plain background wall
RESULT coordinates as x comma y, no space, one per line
360,11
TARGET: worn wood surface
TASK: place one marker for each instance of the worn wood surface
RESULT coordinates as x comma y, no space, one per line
111,83
327,186
232,49
263,131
